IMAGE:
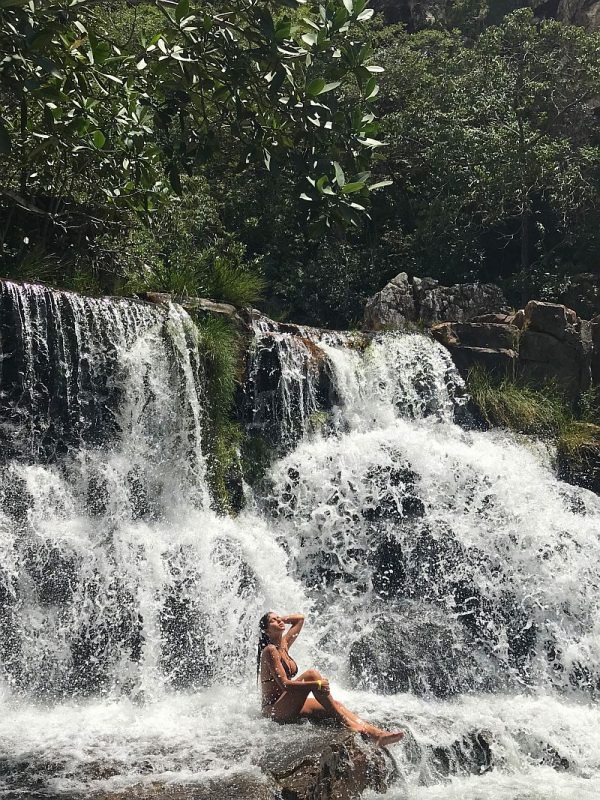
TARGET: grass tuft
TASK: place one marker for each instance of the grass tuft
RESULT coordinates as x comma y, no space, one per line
517,407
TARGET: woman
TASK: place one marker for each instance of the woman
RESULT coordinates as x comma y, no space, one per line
285,698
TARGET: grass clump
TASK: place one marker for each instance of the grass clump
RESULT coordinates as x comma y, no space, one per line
220,345
518,407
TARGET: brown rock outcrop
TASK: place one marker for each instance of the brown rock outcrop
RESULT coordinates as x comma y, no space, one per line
329,764
553,350
493,346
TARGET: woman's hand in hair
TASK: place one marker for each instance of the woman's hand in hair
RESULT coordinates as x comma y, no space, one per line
296,621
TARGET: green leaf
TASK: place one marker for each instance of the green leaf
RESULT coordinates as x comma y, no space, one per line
339,174
380,185
5,145
353,187
182,10
315,87
99,139
175,180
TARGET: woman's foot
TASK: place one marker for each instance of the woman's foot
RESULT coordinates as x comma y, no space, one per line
388,738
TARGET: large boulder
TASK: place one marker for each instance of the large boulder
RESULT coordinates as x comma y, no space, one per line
325,763
393,306
404,300
458,303
555,348
332,765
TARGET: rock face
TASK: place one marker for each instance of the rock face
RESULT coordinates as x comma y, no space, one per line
491,345
405,300
331,764
544,344
555,347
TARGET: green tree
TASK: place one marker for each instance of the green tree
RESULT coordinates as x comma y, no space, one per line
495,149
89,124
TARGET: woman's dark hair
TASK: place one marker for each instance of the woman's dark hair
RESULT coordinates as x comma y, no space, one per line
263,639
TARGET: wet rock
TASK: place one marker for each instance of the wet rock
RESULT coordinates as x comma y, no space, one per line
240,787
580,464
542,752
331,765
471,754
411,652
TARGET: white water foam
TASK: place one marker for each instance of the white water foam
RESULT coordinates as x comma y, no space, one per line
123,587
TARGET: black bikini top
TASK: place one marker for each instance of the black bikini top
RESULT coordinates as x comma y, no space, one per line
289,665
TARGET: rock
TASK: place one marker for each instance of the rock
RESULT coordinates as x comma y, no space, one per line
500,364
579,463
555,348
412,652
332,765
196,305
595,336
580,12
324,763
551,318
471,754
459,303
404,301
497,318
489,335
238,787
393,306
519,319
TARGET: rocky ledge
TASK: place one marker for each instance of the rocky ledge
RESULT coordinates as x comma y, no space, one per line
329,764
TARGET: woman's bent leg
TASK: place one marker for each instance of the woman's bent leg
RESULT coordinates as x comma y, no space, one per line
289,705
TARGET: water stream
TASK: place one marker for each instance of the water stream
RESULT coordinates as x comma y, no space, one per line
450,582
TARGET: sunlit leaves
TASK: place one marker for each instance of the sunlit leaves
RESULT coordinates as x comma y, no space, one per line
271,80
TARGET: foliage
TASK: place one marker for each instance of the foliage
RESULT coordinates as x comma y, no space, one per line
590,405
518,407
88,119
220,345
494,149
187,251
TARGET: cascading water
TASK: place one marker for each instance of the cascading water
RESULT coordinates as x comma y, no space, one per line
451,582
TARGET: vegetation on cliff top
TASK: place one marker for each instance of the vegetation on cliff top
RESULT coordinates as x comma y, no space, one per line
174,147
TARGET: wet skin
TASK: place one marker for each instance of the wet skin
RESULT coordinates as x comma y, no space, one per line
286,699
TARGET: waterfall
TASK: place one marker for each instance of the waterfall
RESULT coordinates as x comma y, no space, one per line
450,581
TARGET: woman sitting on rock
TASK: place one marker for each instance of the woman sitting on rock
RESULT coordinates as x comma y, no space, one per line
285,697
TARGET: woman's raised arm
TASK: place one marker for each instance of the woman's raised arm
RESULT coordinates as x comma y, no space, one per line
296,621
